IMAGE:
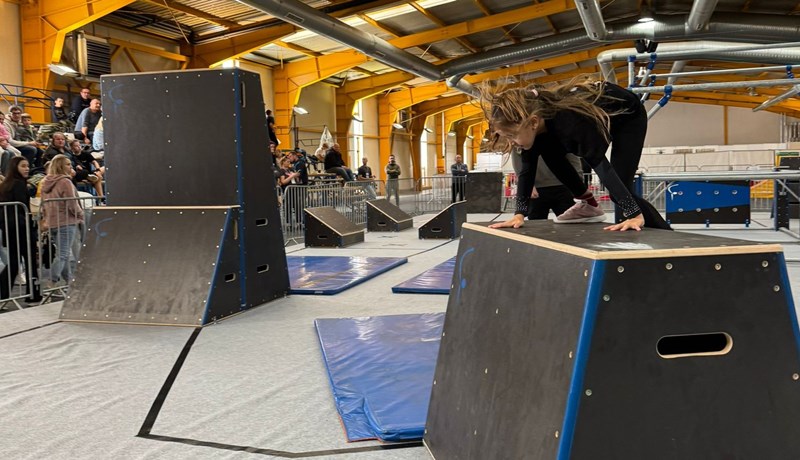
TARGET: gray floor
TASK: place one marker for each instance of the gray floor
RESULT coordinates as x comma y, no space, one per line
253,386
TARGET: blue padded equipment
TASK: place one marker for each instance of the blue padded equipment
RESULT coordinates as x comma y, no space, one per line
381,372
328,275
436,280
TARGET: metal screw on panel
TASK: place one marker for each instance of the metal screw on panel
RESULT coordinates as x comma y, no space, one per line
588,392
570,355
620,269
795,376
668,266
718,267
556,434
764,264
606,297
776,288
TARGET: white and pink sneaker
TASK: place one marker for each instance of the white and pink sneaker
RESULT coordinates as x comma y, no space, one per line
581,212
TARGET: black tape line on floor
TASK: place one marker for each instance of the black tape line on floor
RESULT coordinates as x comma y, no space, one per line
152,415
28,330
279,453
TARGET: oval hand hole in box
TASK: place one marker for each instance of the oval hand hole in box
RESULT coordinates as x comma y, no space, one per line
688,345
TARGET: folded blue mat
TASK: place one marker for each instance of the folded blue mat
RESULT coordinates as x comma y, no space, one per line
328,275
381,372
436,280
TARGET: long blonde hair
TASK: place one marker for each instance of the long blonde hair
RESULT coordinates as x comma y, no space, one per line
59,166
509,107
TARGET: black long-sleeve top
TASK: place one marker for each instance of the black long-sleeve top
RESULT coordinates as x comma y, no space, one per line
571,132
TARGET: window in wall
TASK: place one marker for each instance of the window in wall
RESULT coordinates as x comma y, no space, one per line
423,153
357,145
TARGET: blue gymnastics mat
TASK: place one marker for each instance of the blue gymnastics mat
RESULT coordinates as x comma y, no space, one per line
381,372
436,280
328,275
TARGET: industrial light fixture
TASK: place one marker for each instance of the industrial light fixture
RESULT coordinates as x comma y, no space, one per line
299,110
451,134
63,70
356,118
427,130
646,15
470,136
397,126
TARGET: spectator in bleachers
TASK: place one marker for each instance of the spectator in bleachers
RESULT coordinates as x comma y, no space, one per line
28,149
26,132
79,104
99,141
5,153
334,164
299,164
84,173
319,154
90,120
61,218
59,113
17,236
58,146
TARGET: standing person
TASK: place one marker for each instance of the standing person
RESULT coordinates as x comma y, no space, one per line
79,104
392,185
582,118
17,236
273,138
459,172
364,173
90,121
61,218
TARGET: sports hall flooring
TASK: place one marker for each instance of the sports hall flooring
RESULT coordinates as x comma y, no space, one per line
250,387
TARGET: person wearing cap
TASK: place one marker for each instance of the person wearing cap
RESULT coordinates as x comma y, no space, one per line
25,132
28,149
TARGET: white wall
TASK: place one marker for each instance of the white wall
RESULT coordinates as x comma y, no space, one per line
370,127
320,101
680,123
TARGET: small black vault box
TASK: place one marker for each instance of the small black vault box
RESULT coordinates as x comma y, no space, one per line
571,342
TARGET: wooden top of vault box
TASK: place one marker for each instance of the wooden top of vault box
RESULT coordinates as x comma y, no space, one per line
592,242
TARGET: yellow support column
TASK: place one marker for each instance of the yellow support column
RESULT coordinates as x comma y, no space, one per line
45,23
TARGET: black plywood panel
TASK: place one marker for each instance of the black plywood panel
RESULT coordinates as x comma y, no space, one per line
484,192
504,366
446,224
741,405
383,216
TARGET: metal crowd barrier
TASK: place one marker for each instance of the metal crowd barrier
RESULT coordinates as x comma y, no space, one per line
18,276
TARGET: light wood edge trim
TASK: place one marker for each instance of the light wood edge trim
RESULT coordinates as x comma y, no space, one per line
633,254
127,323
181,208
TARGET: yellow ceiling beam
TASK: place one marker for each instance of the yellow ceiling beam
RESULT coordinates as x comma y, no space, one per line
148,49
214,52
44,24
451,116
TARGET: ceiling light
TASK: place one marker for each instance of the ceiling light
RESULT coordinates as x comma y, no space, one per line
299,110
451,134
63,70
356,118
646,15
470,136
397,126
427,130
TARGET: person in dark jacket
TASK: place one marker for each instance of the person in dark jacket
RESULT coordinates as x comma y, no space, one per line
17,228
334,164
582,118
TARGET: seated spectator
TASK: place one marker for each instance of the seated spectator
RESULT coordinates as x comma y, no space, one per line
58,146
98,142
85,161
334,164
90,120
81,174
59,114
28,149
319,154
5,153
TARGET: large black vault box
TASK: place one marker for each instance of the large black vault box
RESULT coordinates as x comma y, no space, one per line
188,140
571,342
